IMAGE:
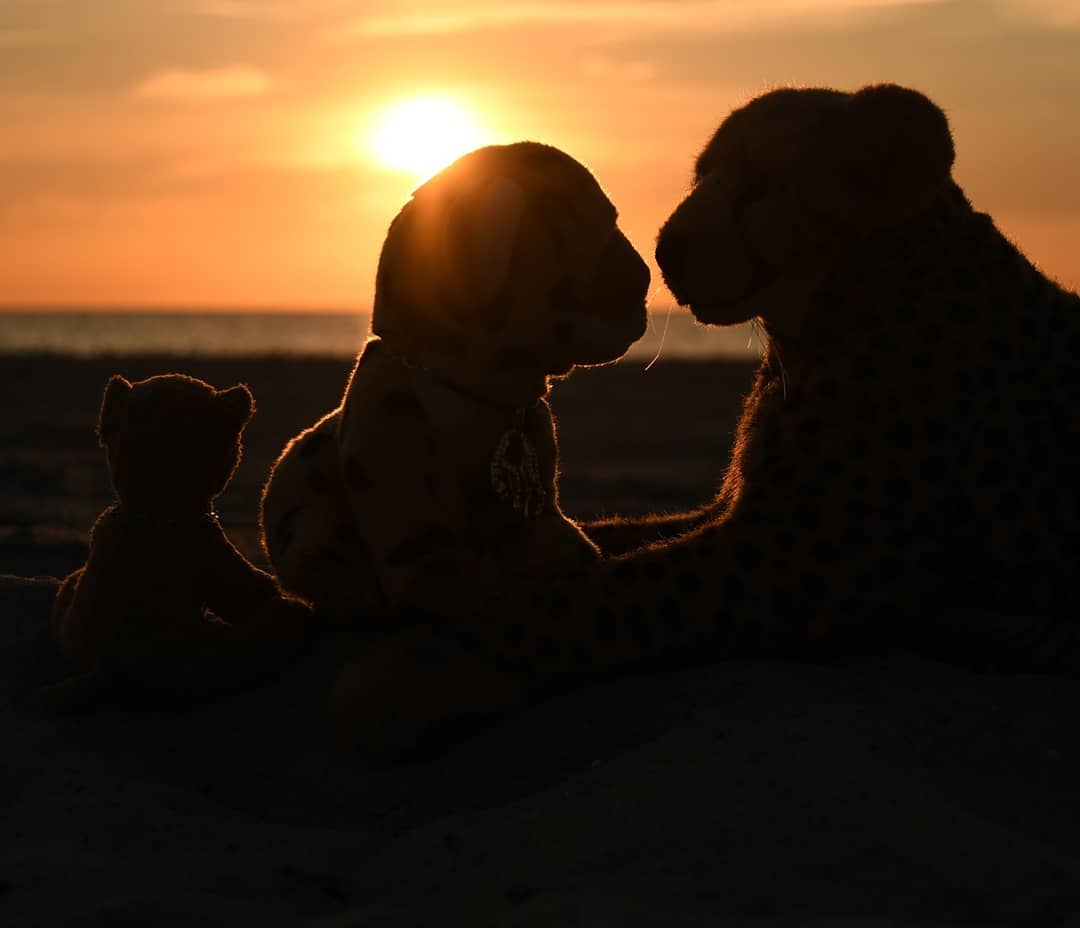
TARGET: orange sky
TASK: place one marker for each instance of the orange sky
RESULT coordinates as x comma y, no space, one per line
213,153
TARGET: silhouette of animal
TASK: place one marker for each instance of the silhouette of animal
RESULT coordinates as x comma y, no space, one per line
163,590
435,479
904,470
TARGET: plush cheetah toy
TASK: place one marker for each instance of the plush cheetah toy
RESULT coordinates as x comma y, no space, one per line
435,480
904,470
163,589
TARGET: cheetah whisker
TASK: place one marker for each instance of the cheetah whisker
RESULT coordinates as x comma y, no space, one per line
758,330
663,335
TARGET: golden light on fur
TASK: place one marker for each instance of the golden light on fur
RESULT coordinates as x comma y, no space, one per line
421,135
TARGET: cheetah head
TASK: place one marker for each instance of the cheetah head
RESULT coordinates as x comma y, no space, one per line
172,441
511,257
786,186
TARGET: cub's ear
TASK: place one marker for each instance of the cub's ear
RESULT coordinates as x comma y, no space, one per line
481,229
236,406
890,151
114,404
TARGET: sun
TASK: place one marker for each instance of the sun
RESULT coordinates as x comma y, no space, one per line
421,135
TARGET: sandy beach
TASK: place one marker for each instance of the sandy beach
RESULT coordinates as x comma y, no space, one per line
888,790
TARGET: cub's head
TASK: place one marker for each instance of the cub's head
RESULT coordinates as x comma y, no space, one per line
787,185
510,258
172,441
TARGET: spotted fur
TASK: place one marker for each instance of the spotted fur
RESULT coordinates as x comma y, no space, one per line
436,476
904,470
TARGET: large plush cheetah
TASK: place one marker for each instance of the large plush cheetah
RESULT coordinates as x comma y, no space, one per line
436,477
905,465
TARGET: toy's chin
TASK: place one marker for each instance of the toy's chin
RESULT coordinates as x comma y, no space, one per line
599,342
720,313
709,304
782,305
713,305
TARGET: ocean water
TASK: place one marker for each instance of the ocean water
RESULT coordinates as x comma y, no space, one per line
672,335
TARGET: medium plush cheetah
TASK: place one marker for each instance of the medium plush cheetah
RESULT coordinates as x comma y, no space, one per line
435,479
163,591
905,466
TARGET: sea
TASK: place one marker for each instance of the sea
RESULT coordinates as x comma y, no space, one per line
671,335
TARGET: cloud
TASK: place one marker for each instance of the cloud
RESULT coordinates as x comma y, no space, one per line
274,10
206,86
604,67
1061,13
698,14
23,38
72,178
270,10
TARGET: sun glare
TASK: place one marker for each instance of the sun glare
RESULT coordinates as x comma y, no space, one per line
422,135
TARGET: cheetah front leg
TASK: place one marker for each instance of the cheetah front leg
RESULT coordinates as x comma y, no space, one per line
621,535
724,590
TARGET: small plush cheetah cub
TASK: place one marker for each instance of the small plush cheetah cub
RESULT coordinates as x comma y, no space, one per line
164,596
435,479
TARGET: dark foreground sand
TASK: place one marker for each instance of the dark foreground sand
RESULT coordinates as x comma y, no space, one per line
883,791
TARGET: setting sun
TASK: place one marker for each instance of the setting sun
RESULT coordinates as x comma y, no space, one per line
422,135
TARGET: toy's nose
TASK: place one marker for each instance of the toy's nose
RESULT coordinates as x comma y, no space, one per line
671,252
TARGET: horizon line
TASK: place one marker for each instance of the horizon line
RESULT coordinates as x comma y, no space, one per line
179,309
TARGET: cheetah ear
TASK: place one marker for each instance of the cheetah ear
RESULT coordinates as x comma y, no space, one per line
481,229
236,407
907,135
890,151
114,404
